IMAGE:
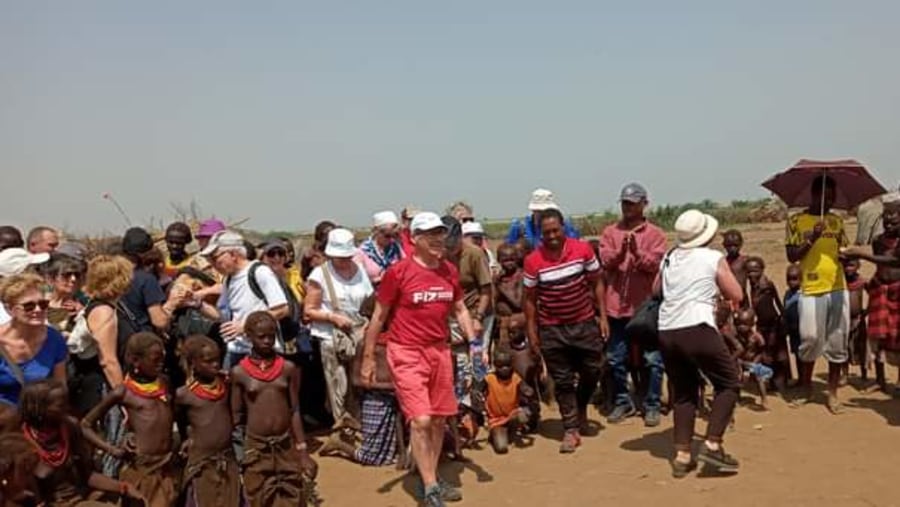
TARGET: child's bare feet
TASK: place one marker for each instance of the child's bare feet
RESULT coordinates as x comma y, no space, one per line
834,404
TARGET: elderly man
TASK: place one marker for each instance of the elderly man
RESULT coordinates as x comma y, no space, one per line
42,239
249,286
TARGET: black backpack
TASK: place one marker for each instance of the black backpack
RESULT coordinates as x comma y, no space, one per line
289,325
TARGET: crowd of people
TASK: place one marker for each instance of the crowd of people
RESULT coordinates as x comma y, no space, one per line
192,376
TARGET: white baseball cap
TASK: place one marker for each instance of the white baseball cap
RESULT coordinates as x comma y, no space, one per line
541,200
340,244
222,239
472,229
383,218
426,221
14,261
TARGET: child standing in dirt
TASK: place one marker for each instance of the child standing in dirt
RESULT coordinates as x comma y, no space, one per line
149,463
767,306
733,242
856,286
264,392
791,314
211,477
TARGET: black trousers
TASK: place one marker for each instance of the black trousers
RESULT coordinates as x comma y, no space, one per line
574,357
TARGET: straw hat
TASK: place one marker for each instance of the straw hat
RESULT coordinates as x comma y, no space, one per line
695,229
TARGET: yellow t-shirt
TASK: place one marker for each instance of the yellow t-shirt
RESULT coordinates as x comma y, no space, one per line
822,270
172,268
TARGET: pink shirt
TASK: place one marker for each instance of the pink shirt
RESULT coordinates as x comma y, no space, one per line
629,279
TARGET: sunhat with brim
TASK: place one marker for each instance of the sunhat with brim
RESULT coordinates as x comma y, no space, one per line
340,244
210,227
694,229
14,261
223,239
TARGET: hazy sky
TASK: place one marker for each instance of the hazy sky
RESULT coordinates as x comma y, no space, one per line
290,112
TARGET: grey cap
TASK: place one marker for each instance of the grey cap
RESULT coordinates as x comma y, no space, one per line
633,192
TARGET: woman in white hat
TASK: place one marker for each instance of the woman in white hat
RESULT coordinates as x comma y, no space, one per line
691,280
334,295
382,249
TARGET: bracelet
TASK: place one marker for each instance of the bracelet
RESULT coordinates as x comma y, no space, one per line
301,446
123,488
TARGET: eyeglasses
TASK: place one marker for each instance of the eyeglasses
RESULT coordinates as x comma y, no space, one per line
276,253
466,219
70,274
30,306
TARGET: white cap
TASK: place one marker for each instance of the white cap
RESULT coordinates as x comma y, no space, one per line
13,261
472,228
340,244
426,221
694,229
222,239
541,200
383,218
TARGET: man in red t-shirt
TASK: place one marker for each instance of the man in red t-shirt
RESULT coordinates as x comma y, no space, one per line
563,287
420,292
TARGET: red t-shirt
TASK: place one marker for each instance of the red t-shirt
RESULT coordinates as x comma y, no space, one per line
421,299
564,285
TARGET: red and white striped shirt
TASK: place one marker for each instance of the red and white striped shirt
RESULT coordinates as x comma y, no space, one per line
564,284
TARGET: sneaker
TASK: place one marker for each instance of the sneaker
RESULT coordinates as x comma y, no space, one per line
652,418
681,470
722,461
620,413
571,441
448,492
433,497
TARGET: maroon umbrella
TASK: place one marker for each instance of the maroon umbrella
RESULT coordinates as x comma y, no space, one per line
853,183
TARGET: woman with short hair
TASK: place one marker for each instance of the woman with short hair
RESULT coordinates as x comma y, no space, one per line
65,275
30,350
691,280
382,249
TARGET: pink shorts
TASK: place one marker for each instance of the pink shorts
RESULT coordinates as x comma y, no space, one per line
423,379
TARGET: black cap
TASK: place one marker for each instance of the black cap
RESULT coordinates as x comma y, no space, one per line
136,241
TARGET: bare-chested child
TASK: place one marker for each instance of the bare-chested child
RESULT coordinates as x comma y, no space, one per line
884,293
265,396
149,462
733,242
211,477
791,316
752,359
856,286
507,399
509,307
766,303
64,475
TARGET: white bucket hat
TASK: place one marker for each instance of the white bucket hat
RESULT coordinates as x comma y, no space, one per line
383,218
694,229
541,200
340,244
13,261
472,228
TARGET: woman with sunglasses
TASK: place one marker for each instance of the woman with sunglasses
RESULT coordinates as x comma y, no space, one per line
382,249
65,276
30,349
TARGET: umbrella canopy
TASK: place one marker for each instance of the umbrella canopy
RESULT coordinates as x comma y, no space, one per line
853,183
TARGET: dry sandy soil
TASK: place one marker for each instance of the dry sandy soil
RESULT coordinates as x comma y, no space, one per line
788,456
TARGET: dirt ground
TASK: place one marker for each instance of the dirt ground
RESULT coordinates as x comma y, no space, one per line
791,457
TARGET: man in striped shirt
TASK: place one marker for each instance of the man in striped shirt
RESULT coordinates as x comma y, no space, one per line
564,294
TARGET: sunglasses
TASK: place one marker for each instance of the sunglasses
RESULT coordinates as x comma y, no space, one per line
276,253
30,306
70,274
466,219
